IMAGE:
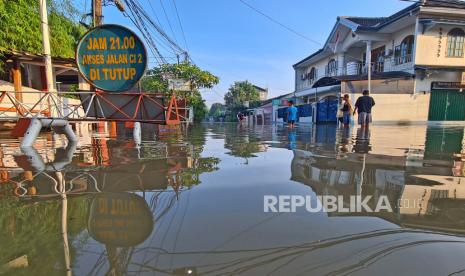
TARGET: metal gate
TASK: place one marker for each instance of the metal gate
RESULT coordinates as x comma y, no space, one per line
447,105
327,110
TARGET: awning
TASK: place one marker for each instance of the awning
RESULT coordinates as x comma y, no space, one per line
440,68
377,76
326,81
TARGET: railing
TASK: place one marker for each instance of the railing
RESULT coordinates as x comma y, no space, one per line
87,106
400,63
390,64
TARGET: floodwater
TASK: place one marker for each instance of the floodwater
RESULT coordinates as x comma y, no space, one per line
192,203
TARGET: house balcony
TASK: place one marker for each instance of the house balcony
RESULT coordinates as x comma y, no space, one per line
389,64
389,67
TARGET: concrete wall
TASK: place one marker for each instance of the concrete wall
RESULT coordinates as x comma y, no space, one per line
423,85
399,108
432,48
320,65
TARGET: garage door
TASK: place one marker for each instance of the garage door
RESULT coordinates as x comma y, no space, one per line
447,105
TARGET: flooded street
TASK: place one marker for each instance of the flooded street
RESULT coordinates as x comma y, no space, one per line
192,203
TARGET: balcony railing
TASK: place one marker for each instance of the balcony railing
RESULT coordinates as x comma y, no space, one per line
401,63
389,64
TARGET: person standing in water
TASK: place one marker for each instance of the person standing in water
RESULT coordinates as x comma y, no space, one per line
291,115
340,114
363,105
346,110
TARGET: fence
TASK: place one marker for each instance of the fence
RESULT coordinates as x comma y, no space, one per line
88,106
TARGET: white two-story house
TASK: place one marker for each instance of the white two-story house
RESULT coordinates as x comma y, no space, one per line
412,62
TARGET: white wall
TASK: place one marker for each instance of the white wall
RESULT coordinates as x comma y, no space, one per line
320,65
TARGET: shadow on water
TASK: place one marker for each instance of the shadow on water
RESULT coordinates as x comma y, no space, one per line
192,202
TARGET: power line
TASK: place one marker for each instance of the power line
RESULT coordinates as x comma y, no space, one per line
281,24
300,34
180,25
168,20
136,20
154,13
157,28
152,32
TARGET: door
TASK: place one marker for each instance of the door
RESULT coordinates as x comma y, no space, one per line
327,110
447,105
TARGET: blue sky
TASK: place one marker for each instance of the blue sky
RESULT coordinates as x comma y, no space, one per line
236,43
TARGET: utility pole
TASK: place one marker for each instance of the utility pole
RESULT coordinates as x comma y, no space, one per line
97,12
46,46
368,62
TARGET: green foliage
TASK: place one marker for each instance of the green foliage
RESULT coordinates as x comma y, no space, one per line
35,230
241,92
20,27
217,110
241,146
156,81
198,103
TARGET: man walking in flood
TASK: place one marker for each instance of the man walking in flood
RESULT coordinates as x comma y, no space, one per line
291,114
363,105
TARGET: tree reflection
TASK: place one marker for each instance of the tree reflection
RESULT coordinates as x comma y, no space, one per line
33,229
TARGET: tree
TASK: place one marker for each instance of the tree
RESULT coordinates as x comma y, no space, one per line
20,27
239,93
156,80
216,110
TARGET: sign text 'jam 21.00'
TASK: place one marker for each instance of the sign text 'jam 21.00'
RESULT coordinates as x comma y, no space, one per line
111,57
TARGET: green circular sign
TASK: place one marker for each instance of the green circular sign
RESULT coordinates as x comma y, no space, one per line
111,58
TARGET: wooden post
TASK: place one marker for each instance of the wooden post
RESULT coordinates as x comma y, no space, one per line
17,81
97,12
46,46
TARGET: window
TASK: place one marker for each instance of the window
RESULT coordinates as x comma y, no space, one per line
455,39
331,68
312,75
403,53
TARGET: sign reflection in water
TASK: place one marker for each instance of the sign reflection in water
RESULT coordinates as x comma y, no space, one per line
120,219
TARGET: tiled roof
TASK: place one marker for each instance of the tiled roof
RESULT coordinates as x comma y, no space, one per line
376,23
367,21
446,3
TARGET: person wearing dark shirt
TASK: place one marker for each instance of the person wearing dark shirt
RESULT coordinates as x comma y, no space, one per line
363,106
346,110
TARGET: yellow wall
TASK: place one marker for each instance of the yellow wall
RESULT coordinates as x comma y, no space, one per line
430,44
398,108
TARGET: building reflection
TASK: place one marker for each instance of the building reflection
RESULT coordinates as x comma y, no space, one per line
423,184
121,212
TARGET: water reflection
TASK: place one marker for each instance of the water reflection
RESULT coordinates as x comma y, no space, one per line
192,203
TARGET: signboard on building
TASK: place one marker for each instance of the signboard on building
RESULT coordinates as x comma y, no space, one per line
277,102
179,85
111,58
463,78
120,219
